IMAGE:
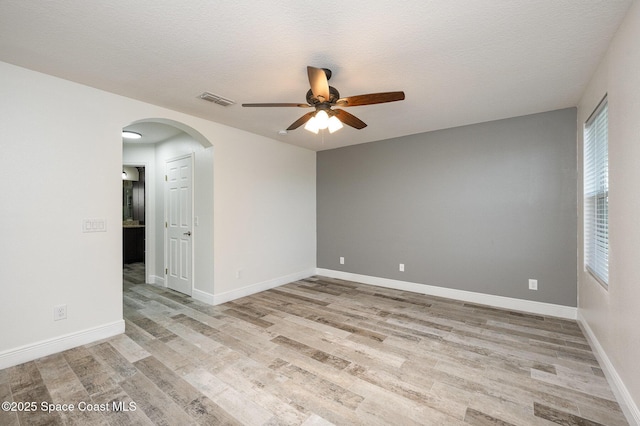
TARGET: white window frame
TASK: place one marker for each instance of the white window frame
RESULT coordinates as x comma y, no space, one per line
596,193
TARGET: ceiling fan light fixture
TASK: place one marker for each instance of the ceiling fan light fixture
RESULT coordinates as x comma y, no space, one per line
334,124
312,125
322,118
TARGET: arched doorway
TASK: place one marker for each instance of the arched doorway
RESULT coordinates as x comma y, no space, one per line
162,140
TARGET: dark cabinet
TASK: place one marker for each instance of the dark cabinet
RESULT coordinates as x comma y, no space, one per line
133,244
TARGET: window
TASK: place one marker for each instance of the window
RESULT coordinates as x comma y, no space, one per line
596,194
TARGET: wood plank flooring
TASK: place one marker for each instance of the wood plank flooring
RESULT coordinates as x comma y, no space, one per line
316,352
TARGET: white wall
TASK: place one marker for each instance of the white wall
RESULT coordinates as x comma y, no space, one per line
264,193
611,316
63,141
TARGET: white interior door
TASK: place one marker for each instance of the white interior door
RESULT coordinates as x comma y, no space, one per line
178,218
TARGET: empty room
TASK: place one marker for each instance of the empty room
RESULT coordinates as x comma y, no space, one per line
349,213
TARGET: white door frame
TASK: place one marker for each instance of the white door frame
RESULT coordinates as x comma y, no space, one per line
166,210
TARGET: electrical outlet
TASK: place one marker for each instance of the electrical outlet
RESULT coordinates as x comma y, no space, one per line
342,260
59,312
401,267
533,284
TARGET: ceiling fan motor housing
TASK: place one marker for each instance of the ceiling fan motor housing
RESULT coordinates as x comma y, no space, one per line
334,95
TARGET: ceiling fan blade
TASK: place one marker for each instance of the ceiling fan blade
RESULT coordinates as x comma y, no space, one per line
349,119
277,105
319,83
371,98
300,121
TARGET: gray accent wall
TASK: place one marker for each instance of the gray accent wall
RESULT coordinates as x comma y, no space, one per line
481,208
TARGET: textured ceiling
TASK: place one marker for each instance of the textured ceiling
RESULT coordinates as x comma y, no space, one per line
458,61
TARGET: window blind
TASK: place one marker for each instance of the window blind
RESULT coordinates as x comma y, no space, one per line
596,194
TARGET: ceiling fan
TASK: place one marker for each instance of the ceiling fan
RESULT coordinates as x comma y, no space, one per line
323,97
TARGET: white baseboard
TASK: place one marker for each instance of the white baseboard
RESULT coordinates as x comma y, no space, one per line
628,406
261,286
539,308
154,279
58,344
202,296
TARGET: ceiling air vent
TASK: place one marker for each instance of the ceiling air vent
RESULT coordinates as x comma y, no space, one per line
216,99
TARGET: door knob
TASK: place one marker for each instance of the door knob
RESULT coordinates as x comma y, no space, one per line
188,234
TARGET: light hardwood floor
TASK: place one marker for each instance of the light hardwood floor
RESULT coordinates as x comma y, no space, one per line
315,352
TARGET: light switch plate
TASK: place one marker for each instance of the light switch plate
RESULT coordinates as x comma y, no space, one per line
94,225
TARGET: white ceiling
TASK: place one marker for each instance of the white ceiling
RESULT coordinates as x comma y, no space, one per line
458,61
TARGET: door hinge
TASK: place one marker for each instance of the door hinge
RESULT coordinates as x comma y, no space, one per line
165,225
166,271
165,178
